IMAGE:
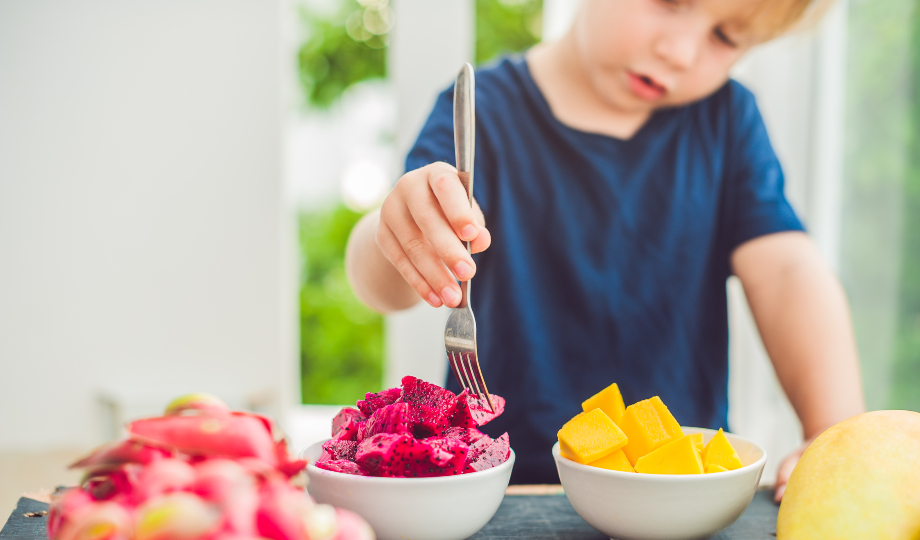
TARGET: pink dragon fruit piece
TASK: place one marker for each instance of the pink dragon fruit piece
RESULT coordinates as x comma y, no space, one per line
393,418
64,505
473,411
162,476
487,453
119,452
236,435
94,521
289,467
176,516
347,421
372,402
467,435
351,526
401,455
341,465
430,406
281,511
336,450
233,489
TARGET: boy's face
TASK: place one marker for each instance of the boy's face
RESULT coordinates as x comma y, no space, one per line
645,54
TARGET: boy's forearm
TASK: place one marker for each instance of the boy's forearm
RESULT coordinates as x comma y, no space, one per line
802,314
374,279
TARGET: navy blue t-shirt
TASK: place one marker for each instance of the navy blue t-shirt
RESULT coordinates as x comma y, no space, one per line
609,257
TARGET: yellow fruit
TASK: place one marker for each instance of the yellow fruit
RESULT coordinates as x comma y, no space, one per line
679,456
714,468
615,461
720,451
648,425
858,480
608,400
590,436
697,440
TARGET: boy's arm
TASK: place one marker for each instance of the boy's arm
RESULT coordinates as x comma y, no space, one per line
373,277
804,320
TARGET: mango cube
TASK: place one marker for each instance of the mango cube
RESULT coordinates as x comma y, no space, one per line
608,400
648,425
615,461
697,440
590,436
713,468
679,456
720,451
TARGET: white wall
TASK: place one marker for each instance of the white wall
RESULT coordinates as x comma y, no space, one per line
144,246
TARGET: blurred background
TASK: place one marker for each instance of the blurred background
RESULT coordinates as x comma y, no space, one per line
178,179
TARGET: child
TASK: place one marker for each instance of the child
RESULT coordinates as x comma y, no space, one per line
623,178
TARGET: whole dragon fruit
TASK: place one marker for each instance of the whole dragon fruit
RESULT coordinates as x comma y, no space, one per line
201,472
417,430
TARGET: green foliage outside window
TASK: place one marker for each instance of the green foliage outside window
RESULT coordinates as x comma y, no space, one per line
341,348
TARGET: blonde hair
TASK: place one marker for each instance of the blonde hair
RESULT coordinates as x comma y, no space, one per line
772,18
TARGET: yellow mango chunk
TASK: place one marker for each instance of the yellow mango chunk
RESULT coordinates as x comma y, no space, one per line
648,425
615,461
714,468
590,436
697,440
679,456
608,400
720,451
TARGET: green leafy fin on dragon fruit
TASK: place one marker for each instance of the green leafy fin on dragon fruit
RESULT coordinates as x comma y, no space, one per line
345,424
393,418
487,453
372,402
430,406
473,411
402,455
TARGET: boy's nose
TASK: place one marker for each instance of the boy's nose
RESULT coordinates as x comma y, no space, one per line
679,48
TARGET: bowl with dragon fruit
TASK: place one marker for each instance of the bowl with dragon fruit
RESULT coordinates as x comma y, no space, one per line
412,462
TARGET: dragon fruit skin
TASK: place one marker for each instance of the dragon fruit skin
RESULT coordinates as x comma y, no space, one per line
473,411
372,402
487,453
393,418
402,455
191,475
430,406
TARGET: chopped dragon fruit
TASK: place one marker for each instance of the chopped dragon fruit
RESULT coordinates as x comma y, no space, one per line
393,418
335,450
474,411
401,455
487,453
372,402
430,406
342,466
467,435
345,424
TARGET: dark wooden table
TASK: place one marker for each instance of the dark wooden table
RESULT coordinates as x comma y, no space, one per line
534,517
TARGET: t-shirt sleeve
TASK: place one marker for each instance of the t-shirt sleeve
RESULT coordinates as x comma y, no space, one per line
756,204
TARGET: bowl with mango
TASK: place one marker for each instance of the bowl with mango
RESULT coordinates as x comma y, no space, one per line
634,473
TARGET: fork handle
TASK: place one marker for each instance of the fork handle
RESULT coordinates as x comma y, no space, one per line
465,144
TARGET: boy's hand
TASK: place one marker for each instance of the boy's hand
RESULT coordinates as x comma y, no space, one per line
785,470
423,224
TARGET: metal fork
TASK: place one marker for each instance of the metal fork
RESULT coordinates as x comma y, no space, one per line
460,332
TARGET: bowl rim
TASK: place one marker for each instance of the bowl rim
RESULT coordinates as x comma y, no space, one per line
384,480
670,478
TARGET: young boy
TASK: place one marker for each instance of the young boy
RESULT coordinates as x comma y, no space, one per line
623,177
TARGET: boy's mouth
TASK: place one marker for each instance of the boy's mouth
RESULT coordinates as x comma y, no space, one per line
644,87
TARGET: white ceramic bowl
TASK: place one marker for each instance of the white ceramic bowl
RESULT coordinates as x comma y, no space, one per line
634,506
442,508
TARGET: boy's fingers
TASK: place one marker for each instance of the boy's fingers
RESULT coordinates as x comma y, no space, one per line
420,252
390,247
482,241
429,218
455,203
